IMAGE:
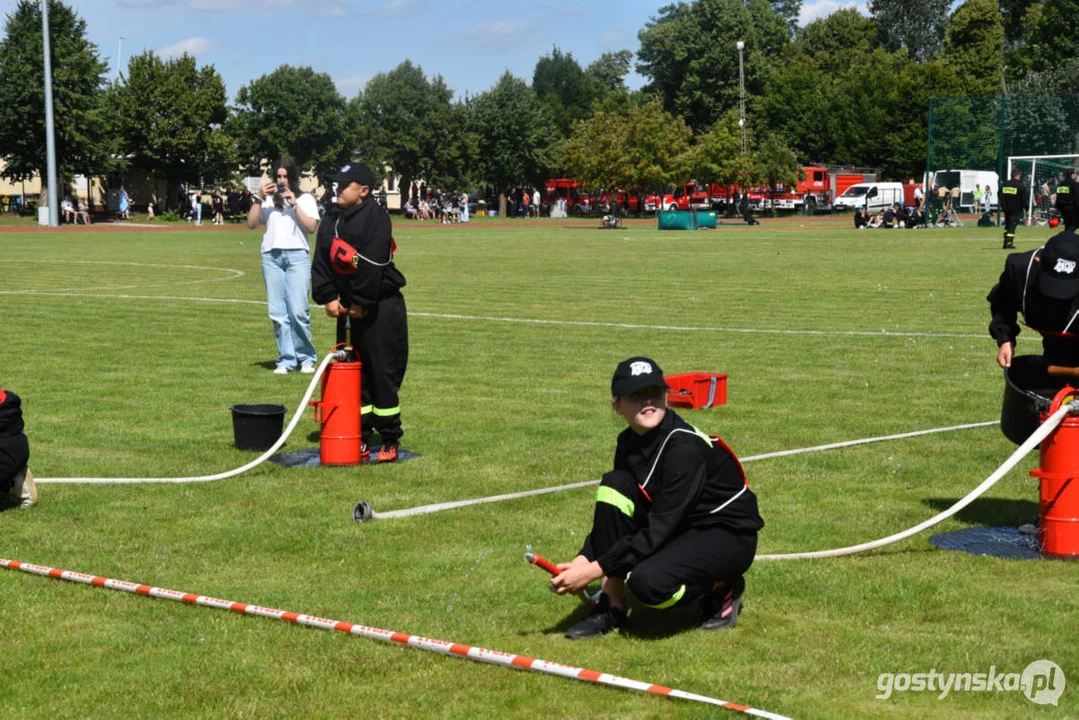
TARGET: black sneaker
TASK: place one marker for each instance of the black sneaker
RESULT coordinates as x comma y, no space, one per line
719,610
600,621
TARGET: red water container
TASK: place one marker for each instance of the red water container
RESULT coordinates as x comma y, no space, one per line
697,390
1058,520
338,412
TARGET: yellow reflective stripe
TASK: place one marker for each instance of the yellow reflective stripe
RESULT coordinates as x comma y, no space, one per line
1063,189
612,497
1009,190
703,437
364,409
671,600
386,412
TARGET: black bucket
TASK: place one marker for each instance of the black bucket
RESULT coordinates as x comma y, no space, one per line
257,427
1028,392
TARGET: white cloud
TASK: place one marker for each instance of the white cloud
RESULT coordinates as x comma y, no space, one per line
823,8
502,34
334,11
192,46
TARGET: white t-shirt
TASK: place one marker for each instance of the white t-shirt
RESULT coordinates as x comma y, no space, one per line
282,230
536,198
918,194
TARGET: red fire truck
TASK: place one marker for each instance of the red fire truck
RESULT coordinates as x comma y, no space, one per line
816,191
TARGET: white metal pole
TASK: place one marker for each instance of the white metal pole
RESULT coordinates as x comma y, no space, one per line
50,139
1030,195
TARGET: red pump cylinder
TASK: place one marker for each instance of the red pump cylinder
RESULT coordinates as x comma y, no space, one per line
1058,519
338,413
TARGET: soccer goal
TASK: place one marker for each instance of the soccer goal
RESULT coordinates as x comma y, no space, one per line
1041,173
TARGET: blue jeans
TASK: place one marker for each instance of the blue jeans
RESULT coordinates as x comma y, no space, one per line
288,281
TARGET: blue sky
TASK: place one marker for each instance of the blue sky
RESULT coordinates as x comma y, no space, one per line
469,42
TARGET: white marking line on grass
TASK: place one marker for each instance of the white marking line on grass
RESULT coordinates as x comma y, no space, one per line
683,328
439,507
540,321
82,290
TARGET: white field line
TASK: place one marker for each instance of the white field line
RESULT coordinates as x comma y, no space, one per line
81,291
539,321
439,507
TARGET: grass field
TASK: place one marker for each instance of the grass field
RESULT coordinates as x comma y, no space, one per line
129,347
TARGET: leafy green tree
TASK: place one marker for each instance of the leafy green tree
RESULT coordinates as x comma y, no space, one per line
1054,34
170,115
716,158
78,76
517,138
789,11
974,45
596,150
645,148
608,71
1012,14
778,164
689,53
408,123
564,88
917,25
293,111
838,40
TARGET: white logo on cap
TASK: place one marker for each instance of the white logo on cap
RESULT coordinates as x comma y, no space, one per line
346,168
640,368
1064,266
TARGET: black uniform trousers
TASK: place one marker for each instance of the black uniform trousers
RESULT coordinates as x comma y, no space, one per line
14,454
380,339
1011,221
684,569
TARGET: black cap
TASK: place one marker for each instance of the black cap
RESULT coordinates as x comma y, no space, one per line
636,373
1059,260
357,173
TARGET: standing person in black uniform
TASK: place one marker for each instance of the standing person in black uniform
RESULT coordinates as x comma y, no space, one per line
1043,285
1013,201
1068,199
675,521
353,275
16,480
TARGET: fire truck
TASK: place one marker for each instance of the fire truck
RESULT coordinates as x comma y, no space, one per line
820,186
689,196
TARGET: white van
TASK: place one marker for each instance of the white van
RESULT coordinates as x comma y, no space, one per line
966,180
874,196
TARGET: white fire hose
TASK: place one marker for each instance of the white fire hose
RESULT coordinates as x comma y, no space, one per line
337,355
1032,442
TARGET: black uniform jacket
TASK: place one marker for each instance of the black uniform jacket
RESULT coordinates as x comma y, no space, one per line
1013,196
1017,293
688,481
13,443
353,259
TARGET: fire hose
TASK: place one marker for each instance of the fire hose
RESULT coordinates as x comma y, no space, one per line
336,355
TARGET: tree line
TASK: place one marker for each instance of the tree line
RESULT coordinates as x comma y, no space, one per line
846,89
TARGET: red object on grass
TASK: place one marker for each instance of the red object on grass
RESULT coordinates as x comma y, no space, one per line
697,390
1058,521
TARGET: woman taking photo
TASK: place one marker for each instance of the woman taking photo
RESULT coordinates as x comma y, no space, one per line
289,217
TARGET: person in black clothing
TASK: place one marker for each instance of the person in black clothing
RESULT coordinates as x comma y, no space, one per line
1013,201
1068,199
861,218
675,522
16,480
353,275
1043,285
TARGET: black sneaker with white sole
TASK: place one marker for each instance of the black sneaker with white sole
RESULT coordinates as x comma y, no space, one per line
719,610
601,620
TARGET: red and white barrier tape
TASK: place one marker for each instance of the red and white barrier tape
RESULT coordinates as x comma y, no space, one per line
492,657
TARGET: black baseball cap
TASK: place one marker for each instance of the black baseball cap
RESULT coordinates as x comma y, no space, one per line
1059,260
357,173
634,374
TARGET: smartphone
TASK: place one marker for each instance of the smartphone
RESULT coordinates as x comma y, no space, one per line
280,187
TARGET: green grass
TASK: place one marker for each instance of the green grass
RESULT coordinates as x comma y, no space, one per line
124,374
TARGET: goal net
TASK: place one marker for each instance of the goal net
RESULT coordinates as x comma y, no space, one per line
1041,174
